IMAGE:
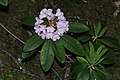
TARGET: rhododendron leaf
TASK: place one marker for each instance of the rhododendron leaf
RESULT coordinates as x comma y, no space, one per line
84,37
47,55
109,58
30,21
27,54
72,45
100,49
32,43
100,60
98,27
103,74
110,42
94,75
82,60
102,31
59,51
95,29
77,27
74,73
92,52
84,74
4,2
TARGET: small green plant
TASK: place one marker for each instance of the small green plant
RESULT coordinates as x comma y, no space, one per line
50,46
91,67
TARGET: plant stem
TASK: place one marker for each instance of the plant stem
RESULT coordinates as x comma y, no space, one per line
11,33
57,74
20,67
69,58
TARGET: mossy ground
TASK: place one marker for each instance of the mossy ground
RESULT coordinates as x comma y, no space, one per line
92,12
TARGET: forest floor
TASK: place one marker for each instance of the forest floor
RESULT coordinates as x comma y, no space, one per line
89,11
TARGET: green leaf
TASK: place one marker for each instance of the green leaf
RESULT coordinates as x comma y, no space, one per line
30,21
98,27
4,2
109,58
88,58
111,42
75,72
92,52
83,75
100,60
95,29
27,54
82,60
74,64
77,27
47,55
99,49
99,56
103,52
32,43
95,76
59,51
103,74
72,45
84,37
102,31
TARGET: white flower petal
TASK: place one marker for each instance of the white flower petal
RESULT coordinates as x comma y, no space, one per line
51,32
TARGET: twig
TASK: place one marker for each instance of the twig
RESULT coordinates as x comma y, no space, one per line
11,33
57,74
21,68
69,58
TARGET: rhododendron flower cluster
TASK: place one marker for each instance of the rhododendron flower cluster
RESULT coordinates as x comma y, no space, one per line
51,26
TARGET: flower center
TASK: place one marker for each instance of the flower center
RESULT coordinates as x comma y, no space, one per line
51,23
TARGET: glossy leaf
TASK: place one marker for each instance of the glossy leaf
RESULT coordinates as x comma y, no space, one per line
99,49
72,45
27,54
100,60
95,29
99,57
92,52
84,37
75,72
111,42
47,55
103,52
83,75
103,74
59,51
74,64
98,27
30,21
82,60
32,43
4,2
94,76
77,27
109,58
102,31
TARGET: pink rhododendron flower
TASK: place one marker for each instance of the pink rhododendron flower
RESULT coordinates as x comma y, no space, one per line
51,26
